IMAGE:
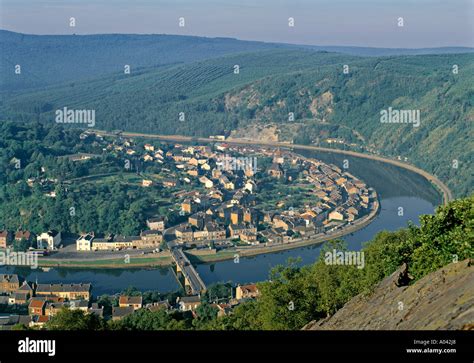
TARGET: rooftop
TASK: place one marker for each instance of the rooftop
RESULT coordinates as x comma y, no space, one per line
130,300
36,304
121,312
63,287
9,278
190,299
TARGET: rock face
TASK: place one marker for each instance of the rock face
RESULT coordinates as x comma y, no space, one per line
443,299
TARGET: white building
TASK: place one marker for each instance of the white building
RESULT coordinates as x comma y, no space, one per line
336,215
206,181
49,240
250,186
84,243
149,147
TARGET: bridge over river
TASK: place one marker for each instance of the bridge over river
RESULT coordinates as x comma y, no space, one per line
192,281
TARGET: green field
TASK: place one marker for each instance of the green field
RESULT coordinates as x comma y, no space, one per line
108,263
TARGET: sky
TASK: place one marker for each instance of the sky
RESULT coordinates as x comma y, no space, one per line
373,23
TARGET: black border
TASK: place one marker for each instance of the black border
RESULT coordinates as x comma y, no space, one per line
290,346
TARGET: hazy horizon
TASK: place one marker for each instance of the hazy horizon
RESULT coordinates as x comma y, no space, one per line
247,40
367,23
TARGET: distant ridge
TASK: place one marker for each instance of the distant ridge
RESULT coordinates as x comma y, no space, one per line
348,49
377,52
54,59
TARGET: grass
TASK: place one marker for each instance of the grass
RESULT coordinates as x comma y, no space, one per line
110,263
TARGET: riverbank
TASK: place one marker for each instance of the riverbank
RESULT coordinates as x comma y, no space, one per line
134,262
165,259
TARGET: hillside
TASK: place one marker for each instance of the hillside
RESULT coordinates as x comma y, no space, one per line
444,299
56,59
272,83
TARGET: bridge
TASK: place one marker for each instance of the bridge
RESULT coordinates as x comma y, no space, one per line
192,280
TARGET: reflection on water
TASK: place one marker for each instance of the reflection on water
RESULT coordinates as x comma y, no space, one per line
396,188
104,281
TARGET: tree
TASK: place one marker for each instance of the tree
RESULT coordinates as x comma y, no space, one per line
107,303
442,238
67,319
21,245
217,291
244,317
131,291
145,319
289,299
205,313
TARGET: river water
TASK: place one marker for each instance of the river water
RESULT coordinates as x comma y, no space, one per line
396,188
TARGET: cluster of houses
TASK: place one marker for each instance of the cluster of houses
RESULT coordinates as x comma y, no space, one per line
220,202
46,300
342,197
43,300
129,304
111,242
150,238
216,189
219,224
49,240
227,209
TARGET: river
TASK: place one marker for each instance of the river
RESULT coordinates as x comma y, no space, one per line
396,188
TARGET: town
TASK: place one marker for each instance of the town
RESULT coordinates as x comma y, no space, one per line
34,304
221,198
215,199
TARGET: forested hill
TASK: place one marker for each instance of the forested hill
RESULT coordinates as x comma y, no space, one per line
271,84
55,59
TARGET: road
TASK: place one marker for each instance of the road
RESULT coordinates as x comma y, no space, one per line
446,192
189,272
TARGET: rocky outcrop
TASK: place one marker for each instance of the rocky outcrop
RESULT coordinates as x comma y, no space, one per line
443,299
